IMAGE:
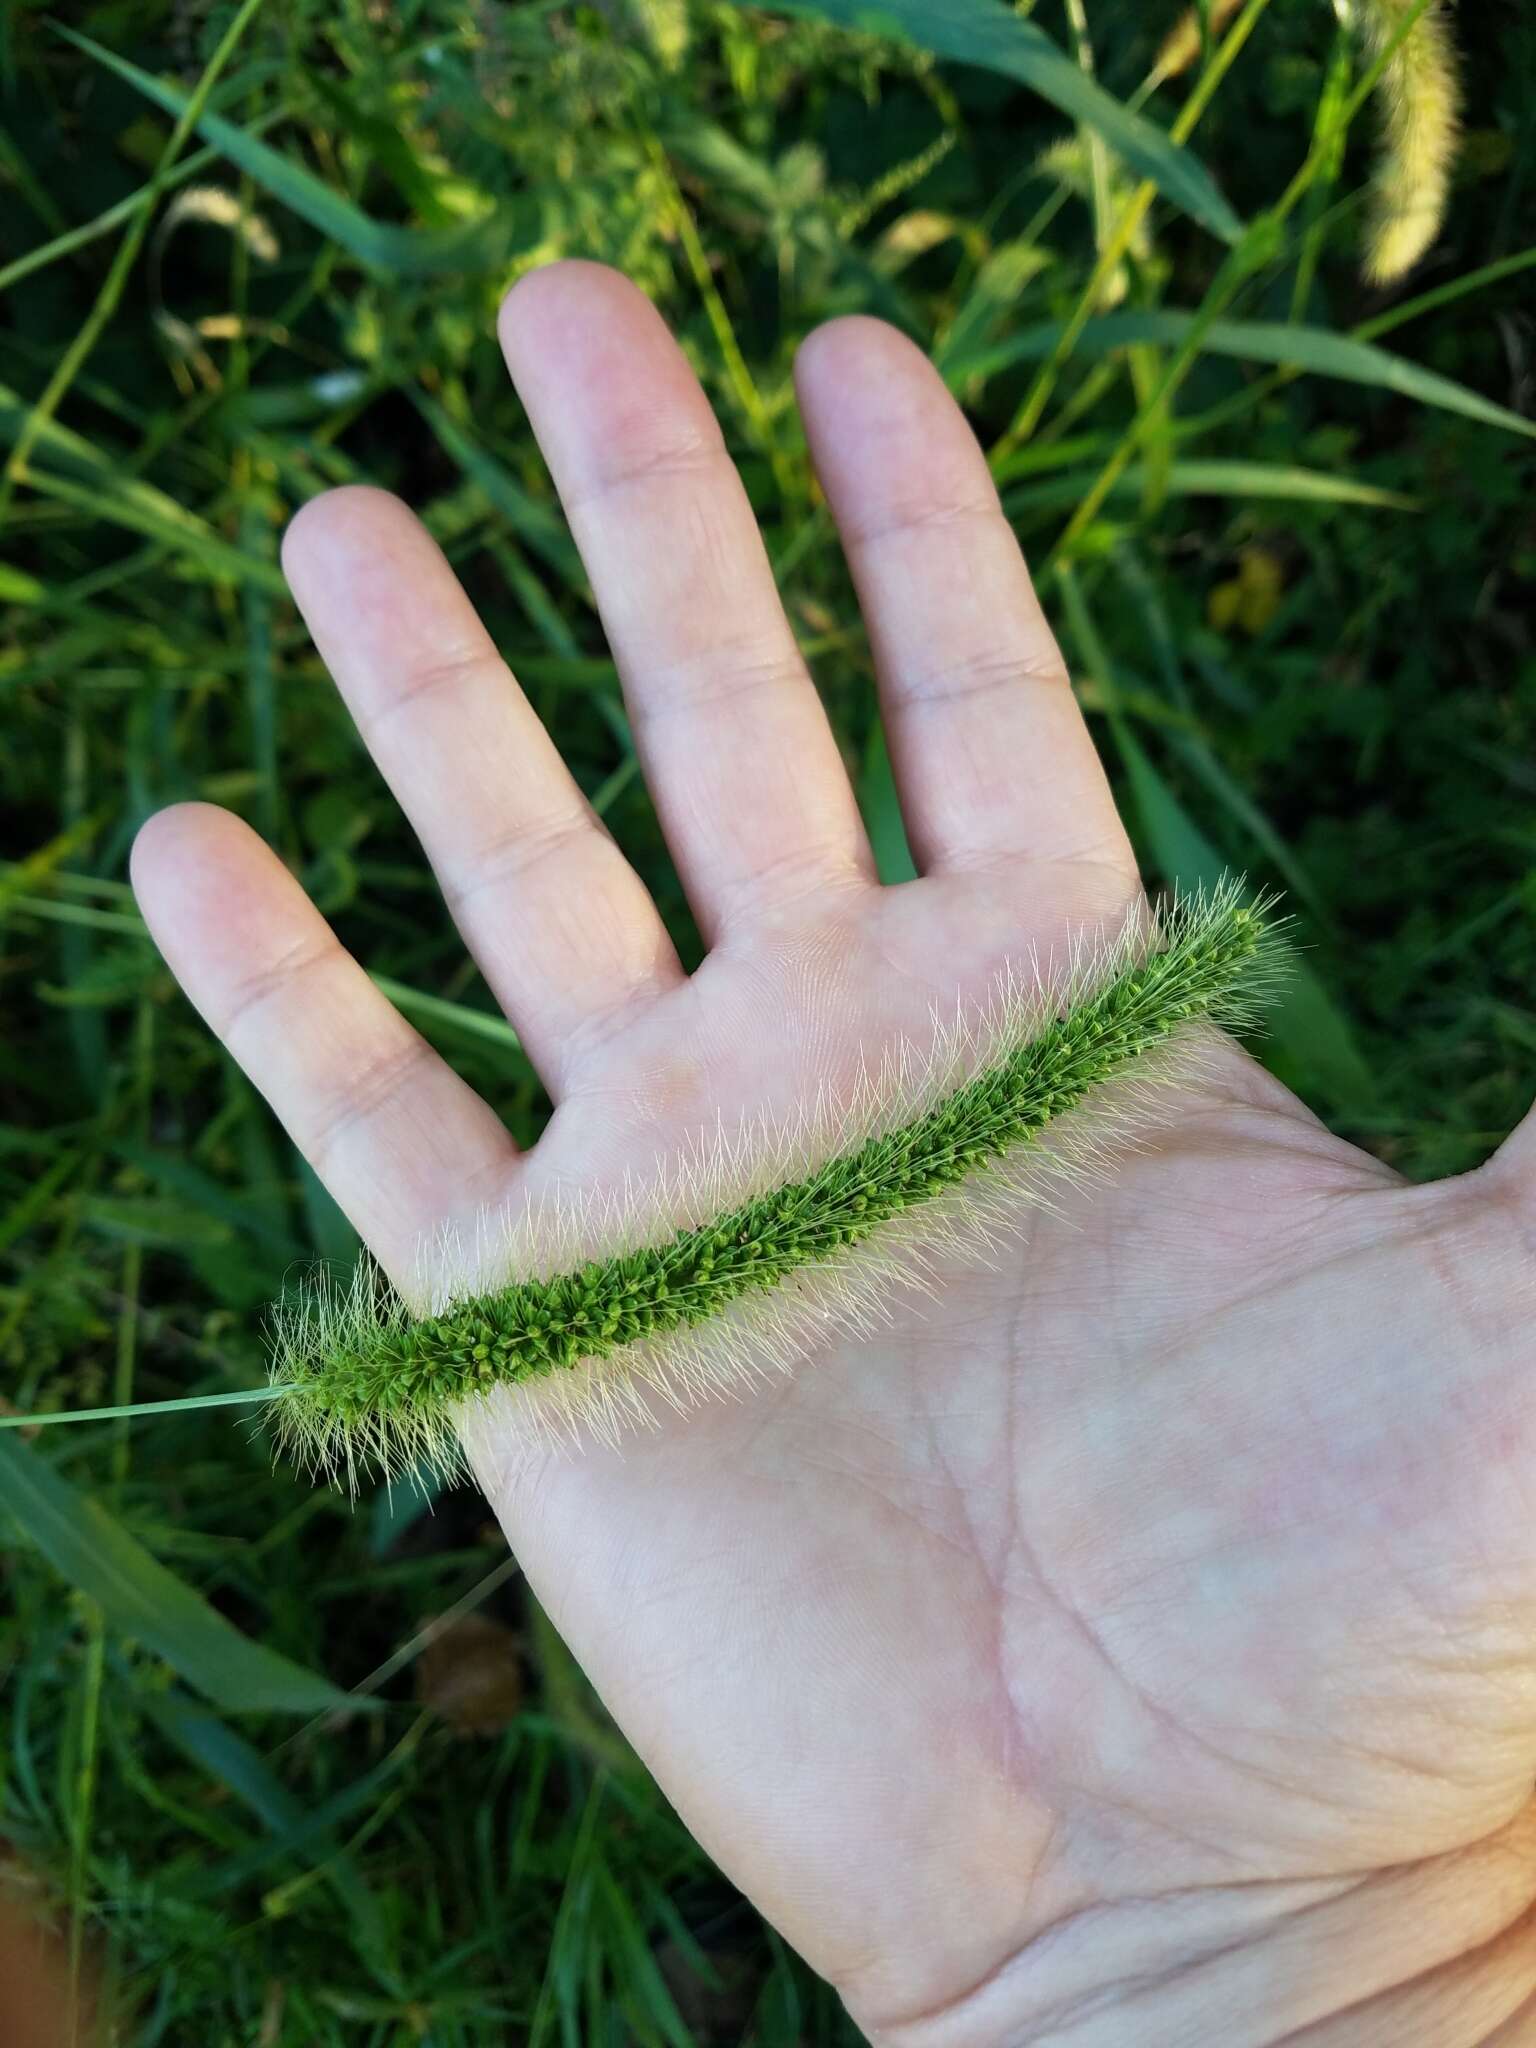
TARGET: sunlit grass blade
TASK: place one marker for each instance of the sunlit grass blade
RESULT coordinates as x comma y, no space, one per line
484,1024
987,34
66,467
218,559
534,521
1215,478
115,216
1314,349
381,246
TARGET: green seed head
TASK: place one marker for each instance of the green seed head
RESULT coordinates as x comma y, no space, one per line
367,1381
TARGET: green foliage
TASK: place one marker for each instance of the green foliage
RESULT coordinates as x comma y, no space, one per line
145,1601
987,32
311,301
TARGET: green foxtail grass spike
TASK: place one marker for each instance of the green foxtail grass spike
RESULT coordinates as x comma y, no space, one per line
1420,97
790,1238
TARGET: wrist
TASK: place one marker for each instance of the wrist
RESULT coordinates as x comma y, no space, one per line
1436,1954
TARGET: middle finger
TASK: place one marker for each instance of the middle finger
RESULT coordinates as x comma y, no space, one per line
752,791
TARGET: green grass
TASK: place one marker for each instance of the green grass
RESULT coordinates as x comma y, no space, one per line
1284,526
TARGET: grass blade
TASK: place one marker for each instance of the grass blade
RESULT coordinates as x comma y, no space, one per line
139,1597
65,466
882,813
455,1017
535,523
1316,1045
1213,479
229,1759
242,1397
985,33
1253,341
378,245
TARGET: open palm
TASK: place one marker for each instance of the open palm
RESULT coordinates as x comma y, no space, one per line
1135,1644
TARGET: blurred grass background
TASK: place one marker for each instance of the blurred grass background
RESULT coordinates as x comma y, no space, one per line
279,1771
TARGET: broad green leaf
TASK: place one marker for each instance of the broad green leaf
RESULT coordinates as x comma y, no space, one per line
141,1599
400,1505
379,245
1203,762
990,35
1318,1049
1191,744
334,1240
1212,479
1184,857
1253,341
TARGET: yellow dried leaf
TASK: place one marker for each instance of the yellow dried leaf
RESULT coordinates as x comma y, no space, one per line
1250,599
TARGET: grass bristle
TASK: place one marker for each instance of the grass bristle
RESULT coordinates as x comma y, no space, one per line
1420,96
687,1298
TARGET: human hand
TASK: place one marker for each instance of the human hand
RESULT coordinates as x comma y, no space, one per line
1137,1644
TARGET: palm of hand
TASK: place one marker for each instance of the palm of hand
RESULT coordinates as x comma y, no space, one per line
1185,1554
1188,1540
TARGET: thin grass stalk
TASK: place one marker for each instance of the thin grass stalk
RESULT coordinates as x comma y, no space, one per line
107,298
1252,253
1121,236
90,231
1335,88
183,1404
